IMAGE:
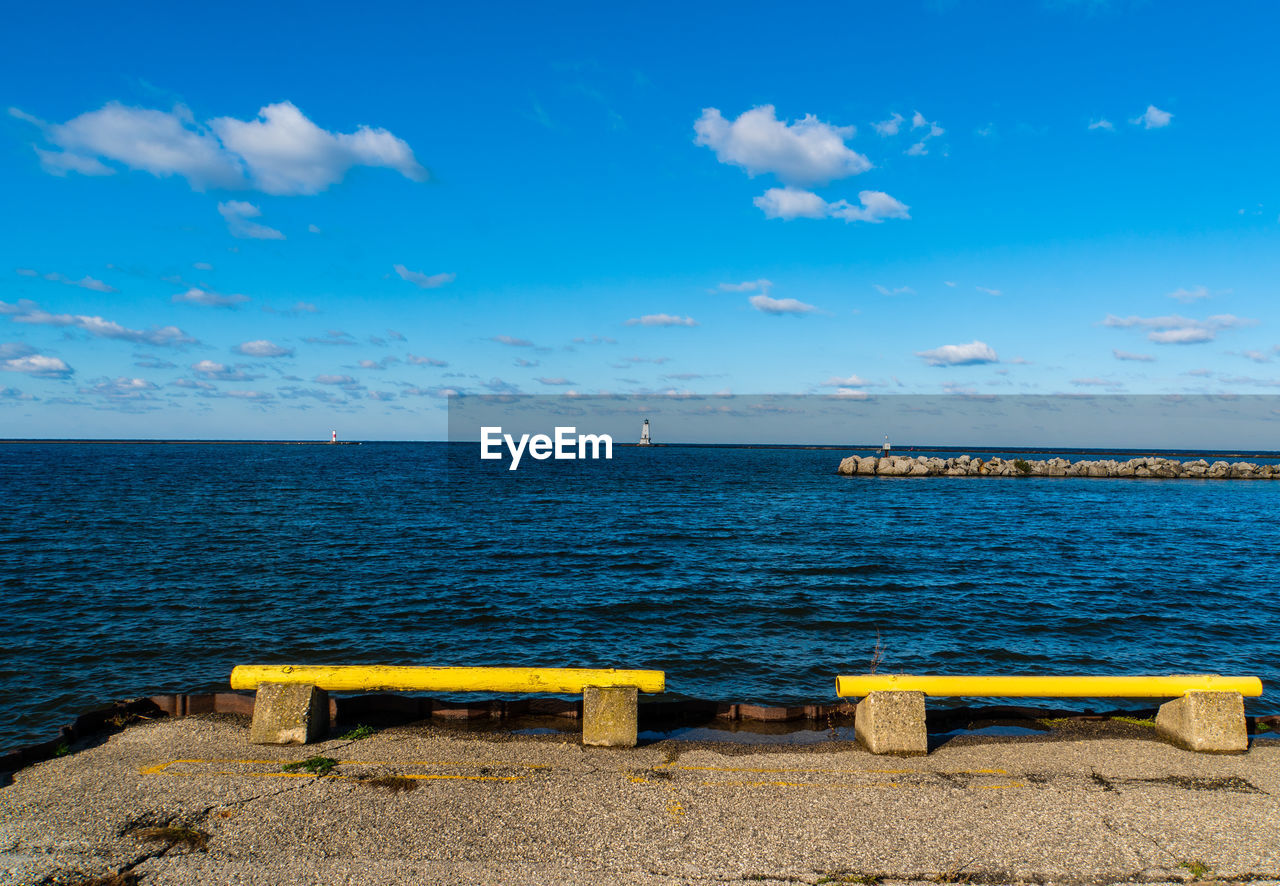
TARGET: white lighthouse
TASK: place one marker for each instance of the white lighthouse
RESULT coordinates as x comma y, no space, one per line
644,433
334,438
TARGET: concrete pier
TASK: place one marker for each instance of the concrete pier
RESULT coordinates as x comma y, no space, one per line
188,801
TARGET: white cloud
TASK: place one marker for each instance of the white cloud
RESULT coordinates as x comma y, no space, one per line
1189,295
1256,356
988,291
285,153
512,341
237,214
343,381
950,283
960,355
1177,330
807,151
662,320
262,348
384,363
897,290
85,282
853,381
59,163
424,281
876,207
221,372
197,296
918,121
122,389
425,361
441,393
1190,335
1152,118
761,285
17,357
313,229
791,203
1102,123
498,386
162,143
27,311
557,381
332,337
202,266
279,152
890,126
1137,358
768,305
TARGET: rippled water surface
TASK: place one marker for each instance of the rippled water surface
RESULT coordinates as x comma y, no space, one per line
745,574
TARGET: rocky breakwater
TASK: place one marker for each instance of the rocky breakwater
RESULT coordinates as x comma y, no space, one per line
1152,467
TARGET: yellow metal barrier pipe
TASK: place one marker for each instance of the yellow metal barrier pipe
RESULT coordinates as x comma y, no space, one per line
361,678
859,686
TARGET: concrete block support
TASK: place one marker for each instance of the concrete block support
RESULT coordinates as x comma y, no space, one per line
289,713
610,716
1211,722
892,723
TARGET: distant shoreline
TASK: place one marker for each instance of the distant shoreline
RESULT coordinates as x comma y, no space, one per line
855,449
196,442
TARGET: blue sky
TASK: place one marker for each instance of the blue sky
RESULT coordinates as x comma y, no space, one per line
242,223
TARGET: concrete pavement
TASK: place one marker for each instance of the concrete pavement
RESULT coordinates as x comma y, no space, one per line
189,801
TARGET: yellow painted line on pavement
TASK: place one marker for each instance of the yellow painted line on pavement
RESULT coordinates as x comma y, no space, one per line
767,770
762,770
360,777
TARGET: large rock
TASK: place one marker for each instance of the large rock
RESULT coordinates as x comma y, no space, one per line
964,465
893,466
